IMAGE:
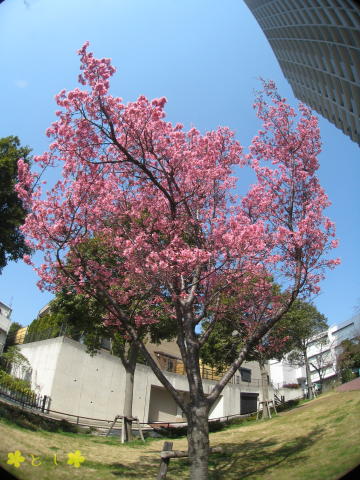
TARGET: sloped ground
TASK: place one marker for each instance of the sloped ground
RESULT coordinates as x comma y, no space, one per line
319,440
352,385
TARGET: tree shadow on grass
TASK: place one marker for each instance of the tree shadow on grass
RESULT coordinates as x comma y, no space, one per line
253,458
239,460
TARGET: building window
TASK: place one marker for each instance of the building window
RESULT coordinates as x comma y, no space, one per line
245,374
167,362
171,365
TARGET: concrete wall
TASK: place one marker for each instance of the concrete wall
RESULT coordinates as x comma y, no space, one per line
90,386
43,357
290,393
95,386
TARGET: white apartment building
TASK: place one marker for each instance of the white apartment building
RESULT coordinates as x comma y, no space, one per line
324,349
283,373
5,322
322,353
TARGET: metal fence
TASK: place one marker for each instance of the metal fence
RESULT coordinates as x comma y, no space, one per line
101,426
26,399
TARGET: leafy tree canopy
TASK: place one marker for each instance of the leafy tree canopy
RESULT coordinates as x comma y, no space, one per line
348,359
303,323
12,213
14,327
13,358
295,329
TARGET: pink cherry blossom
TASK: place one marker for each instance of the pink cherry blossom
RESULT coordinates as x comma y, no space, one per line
146,212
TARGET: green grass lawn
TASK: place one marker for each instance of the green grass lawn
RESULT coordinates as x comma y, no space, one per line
320,440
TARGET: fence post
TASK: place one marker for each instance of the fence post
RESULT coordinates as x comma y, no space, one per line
43,403
164,462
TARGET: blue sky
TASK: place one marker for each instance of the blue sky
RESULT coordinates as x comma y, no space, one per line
205,56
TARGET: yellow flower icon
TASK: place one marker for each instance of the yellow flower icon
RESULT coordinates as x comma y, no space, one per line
75,458
15,458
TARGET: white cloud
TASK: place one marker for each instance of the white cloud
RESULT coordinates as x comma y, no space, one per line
21,83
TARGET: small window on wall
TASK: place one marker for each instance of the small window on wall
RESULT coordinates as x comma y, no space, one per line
171,365
245,374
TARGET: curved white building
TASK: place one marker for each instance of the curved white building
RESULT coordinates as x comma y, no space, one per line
317,44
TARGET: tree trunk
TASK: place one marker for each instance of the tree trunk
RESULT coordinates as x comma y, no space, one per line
264,388
310,394
128,400
319,371
198,440
130,366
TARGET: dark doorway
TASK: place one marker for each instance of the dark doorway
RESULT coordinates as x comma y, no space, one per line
248,402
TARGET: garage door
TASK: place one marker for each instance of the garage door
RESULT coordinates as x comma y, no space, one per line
248,402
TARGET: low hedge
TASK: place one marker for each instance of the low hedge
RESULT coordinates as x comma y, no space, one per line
288,405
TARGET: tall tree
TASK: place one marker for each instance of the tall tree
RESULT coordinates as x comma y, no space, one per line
161,202
305,323
12,213
10,339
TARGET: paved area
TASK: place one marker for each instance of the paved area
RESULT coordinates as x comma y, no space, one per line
353,385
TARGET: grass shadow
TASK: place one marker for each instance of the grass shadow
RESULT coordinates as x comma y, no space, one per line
252,458
240,460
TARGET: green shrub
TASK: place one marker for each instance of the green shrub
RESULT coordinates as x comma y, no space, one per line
65,426
347,375
287,405
15,384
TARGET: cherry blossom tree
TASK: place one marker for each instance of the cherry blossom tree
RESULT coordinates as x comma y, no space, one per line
174,237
